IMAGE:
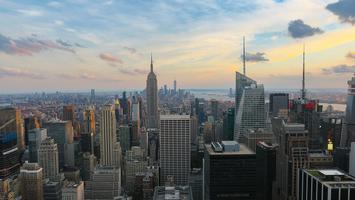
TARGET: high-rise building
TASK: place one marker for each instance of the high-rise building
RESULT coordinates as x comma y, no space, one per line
175,87
228,124
48,159
10,134
144,185
69,113
108,139
175,148
105,183
250,105
30,123
278,106
88,166
125,137
326,184
291,155
135,162
214,109
73,191
152,99
6,192
92,96
348,132
177,192
153,146
265,169
252,137
52,190
62,133
31,181
196,183
35,137
352,160
89,121
229,171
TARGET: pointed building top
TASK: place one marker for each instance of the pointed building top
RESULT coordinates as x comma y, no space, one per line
151,62
244,72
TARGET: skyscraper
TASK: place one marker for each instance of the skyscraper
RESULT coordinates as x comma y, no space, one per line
69,113
250,105
92,96
35,137
348,132
31,181
278,104
134,162
175,148
9,151
48,159
108,140
152,99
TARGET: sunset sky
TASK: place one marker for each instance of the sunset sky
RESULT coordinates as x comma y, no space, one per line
75,45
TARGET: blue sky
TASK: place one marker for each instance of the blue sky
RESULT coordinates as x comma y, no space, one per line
82,44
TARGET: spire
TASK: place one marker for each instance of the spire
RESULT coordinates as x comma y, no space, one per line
244,72
303,74
151,62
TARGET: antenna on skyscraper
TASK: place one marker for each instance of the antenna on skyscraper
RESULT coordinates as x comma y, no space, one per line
244,72
151,62
303,75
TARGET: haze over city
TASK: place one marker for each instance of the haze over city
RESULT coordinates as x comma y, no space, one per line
77,45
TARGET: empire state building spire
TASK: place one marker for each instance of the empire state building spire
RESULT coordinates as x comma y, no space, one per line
151,62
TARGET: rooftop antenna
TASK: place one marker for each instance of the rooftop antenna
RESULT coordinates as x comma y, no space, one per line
151,62
303,74
244,56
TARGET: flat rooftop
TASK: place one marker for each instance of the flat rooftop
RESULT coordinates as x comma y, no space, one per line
331,176
166,117
243,150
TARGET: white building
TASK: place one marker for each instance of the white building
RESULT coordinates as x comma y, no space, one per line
175,137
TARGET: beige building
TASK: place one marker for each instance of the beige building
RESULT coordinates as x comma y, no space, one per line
31,181
48,159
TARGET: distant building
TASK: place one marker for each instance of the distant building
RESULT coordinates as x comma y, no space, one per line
177,192
326,184
92,96
31,181
73,191
229,171
125,137
175,148
278,104
348,131
48,159
228,124
35,137
152,99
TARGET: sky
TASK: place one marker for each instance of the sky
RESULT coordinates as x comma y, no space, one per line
75,45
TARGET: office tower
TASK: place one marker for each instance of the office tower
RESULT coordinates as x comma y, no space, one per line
69,113
144,185
11,121
228,124
341,157
175,87
177,192
352,160
214,109
48,159
265,169
196,183
331,126
278,106
30,123
135,128
89,121
291,155
62,133
326,184
87,142
31,181
229,171
92,96
252,137
105,183
250,105
108,139
9,138
194,129
125,137
153,146
73,191
35,137
348,132
134,162
175,148
88,166
6,192
152,99
52,190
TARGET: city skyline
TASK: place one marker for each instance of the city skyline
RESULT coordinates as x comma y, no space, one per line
77,45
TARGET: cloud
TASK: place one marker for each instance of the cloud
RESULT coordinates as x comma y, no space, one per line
350,55
54,4
141,71
87,76
344,9
63,43
32,13
130,49
110,58
133,72
298,29
28,46
256,57
84,76
127,72
15,72
339,69
58,22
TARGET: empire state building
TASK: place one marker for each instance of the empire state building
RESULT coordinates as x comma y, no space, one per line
152,98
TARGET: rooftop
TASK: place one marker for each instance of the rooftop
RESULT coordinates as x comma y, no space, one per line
174,116
243,150
172,193
331,176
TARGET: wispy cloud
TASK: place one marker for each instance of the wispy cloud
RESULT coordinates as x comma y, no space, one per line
32,13
132,72
344,9
350,55
130,49
28,46
110,58
16,72
298,29
255,57
339,69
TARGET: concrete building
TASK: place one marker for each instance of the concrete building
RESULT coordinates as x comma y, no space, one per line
35,138
31,181
48,159
326,184
175,148
177,192
152,99
73,191
229,171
